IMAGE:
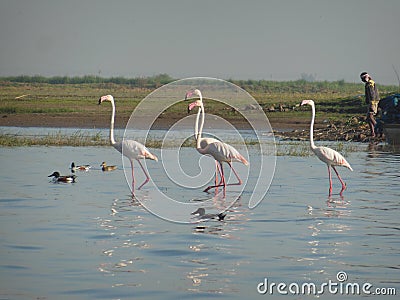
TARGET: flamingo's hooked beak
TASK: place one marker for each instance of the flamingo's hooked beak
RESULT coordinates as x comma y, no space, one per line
103,98
192,105
304,102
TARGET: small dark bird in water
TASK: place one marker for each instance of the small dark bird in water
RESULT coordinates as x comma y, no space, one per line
58,178
201,212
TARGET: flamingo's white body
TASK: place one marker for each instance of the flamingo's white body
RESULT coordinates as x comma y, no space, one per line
131,149
329,156
220,151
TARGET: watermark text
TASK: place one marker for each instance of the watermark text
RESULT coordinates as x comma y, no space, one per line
340,286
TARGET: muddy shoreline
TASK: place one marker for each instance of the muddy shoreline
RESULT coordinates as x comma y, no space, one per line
78,120
292,129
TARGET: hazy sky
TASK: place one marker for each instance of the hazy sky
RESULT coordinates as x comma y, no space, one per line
274,40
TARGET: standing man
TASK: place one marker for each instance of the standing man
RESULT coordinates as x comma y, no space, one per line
372,100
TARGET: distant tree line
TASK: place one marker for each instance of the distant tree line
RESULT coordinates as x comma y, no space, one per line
268,86
145,82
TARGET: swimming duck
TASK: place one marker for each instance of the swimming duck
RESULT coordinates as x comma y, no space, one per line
104,167
201,212
58,178
79,168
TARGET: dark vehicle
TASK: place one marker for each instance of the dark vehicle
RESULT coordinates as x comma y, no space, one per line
389,122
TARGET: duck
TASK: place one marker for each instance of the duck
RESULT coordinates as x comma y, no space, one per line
58,178
105,168
201,212
79,168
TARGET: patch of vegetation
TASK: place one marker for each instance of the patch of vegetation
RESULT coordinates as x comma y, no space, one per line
33,110
302,148
140,82
55,139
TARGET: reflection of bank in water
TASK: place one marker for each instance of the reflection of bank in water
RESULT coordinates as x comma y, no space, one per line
392,133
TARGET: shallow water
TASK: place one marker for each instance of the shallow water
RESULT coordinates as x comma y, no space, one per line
89,240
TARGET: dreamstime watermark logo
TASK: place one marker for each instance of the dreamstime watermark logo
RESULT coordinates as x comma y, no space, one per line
340,286
181,171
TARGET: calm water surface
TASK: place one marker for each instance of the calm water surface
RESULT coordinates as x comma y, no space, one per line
88,240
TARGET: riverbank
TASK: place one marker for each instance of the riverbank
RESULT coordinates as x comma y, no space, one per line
292,128
340,108
295,129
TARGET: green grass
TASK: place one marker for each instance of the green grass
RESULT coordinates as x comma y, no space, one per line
33,110
76,139
37,95
26,98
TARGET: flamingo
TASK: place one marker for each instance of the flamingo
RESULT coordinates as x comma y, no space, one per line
204,142
327,155
131,149
220,151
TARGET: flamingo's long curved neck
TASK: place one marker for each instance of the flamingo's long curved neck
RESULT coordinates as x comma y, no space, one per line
312,145
112,140
198,131
201,125
196,125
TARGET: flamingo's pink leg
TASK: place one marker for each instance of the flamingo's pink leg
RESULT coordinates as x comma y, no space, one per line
216,176
236,174
220,169
216,172
219,166
133,178
223,182
145,173
341,181
330,181
223,178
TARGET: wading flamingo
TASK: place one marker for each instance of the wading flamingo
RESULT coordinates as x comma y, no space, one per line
220,151
329,156
129,148
204,142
